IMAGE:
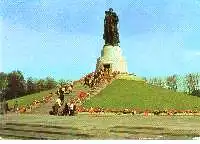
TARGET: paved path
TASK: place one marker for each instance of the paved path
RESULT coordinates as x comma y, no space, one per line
45,108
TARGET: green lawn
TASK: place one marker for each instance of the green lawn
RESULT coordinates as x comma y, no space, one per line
81,126
28,99
129,77
137,94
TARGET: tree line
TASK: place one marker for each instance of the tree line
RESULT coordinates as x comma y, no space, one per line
188,84
14,85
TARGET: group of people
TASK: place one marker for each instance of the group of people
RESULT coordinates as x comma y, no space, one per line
93,79
98,77
66,89
69,109
59,108
63,110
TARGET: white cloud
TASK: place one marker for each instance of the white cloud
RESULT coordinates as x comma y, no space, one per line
197,53
192,53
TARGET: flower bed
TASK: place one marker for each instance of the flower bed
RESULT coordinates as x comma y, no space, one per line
140,112
35,104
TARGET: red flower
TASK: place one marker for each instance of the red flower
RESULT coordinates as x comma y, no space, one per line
81,95
146,113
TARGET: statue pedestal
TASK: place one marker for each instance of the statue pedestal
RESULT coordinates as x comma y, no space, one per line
111,56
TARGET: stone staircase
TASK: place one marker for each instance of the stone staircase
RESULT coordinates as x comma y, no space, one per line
94,91
45,108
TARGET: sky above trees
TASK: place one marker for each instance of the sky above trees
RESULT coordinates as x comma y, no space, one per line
63,38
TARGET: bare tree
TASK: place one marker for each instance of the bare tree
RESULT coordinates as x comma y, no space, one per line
192,82
171,82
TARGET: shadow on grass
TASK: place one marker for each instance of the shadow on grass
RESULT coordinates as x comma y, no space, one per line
153,131
128,127
13,129
42,126
37,132
10,136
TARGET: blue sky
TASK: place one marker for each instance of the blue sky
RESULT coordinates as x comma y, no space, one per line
63,38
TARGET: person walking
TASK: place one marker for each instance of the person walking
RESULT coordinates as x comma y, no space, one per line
71,109
16,106
66,110
58,101
61,96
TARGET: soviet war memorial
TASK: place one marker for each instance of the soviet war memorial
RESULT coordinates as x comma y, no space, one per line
111,57
85,71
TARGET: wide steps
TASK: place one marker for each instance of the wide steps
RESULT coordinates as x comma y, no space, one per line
37,131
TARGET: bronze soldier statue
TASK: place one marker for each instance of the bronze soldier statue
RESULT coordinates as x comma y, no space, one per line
111,34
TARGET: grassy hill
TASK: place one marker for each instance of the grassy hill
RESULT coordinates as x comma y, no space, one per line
137,94
129,77
28,99
44,108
